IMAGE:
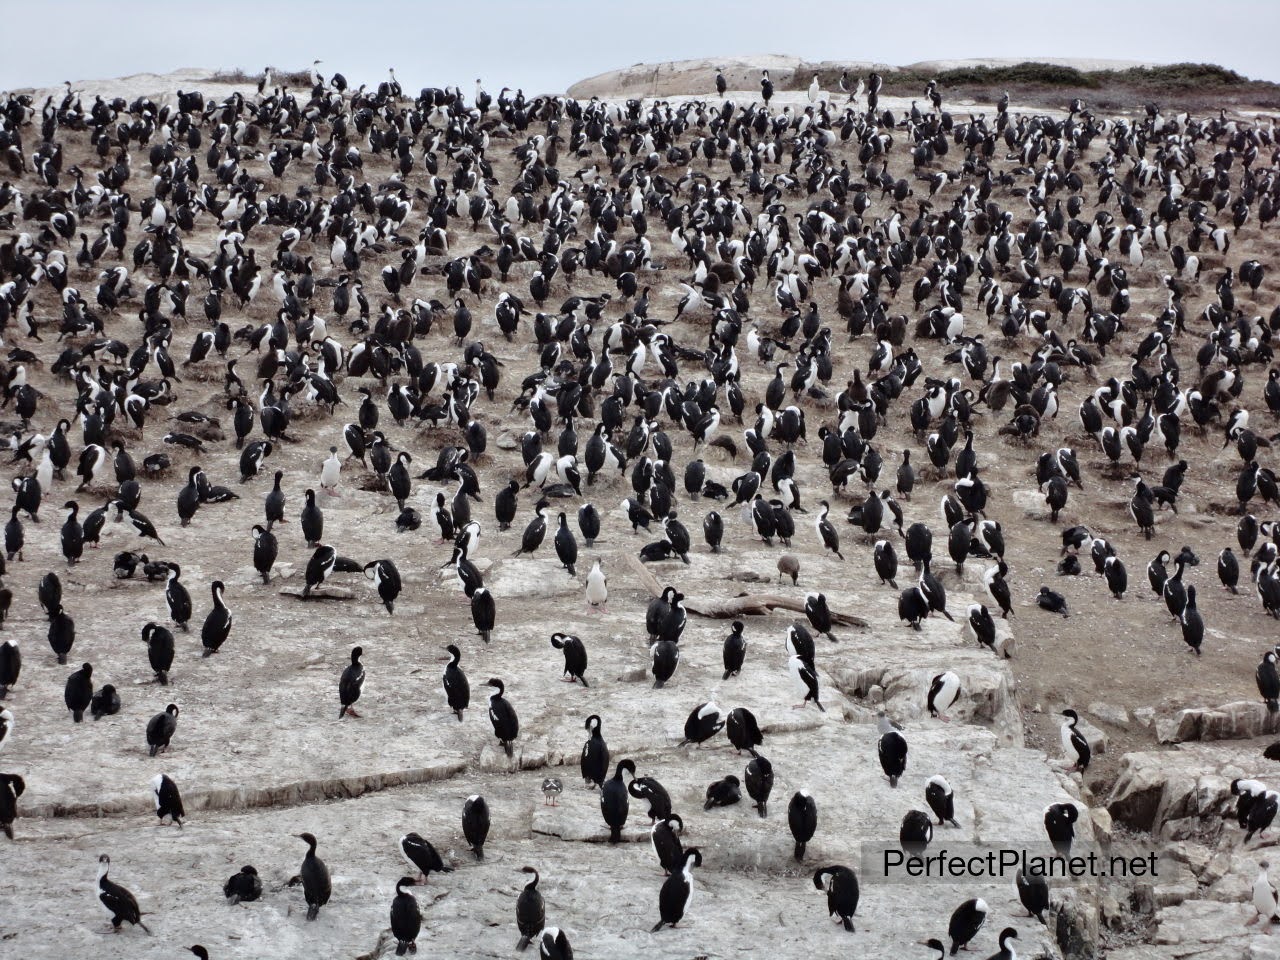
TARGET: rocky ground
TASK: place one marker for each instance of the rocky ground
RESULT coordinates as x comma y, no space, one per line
260,755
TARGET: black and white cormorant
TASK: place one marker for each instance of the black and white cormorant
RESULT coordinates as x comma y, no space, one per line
406,918
841,886
120,904
677,891
506,725
802,819
475,824
314,877
457,689
613,799
530,910
350,684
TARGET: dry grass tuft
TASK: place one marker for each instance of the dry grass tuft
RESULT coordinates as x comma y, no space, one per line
280,78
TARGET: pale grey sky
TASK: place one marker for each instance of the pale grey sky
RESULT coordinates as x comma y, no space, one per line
545,45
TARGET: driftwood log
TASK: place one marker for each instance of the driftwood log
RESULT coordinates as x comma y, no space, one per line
743,605
321,592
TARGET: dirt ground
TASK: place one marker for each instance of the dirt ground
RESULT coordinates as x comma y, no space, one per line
266,705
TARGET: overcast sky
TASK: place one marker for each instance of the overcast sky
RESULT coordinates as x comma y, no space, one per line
545,45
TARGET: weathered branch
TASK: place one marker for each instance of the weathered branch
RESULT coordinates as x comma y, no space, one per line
321,592
744,605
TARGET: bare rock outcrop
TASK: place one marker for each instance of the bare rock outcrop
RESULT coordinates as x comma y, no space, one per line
1200,903
1239,720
